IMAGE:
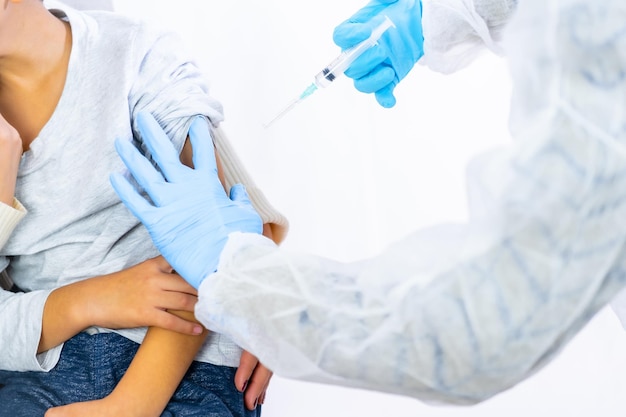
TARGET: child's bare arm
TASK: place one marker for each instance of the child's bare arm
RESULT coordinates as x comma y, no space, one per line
156,370
150,381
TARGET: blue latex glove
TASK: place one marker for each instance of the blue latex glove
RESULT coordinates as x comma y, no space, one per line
191,215
382,67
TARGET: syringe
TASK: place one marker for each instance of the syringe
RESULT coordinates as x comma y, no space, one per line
331,71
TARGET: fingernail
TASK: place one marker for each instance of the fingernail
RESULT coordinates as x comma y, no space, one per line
244,386
256,402
197,329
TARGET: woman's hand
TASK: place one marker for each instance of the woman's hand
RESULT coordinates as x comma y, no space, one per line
140,296
10,155
252,378
135,297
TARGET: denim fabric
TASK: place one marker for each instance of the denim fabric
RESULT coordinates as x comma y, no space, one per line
91,366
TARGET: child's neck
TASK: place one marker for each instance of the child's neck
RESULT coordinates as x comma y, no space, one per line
32,74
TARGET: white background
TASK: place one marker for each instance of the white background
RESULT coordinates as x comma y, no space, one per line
352,177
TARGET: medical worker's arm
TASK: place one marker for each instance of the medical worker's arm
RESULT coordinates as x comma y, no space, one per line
457,314
457,31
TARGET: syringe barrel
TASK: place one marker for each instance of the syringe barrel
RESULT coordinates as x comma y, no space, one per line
337,66
331,71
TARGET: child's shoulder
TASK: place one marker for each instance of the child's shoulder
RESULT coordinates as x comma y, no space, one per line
112,25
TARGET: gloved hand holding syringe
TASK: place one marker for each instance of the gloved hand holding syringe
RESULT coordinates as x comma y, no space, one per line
333,70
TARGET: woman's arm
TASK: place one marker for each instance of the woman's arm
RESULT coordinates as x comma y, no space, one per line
135,297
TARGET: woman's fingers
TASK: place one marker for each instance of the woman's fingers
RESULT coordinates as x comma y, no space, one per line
169,321
252,378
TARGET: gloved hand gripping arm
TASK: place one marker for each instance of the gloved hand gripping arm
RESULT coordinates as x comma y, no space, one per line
185,201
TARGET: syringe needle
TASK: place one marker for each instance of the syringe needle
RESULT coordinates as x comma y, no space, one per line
309,90
283,112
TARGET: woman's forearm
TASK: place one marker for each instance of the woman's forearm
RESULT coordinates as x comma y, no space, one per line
64,315
135,297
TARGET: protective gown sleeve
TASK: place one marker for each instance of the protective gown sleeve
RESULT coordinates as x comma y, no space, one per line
456,31
459,313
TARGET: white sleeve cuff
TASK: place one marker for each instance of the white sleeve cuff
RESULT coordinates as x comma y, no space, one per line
9,219
237,241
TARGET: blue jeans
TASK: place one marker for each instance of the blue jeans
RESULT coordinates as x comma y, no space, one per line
91,366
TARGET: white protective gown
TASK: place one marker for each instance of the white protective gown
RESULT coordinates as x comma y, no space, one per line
456,314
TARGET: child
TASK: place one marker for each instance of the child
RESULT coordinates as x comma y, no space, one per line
70,84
